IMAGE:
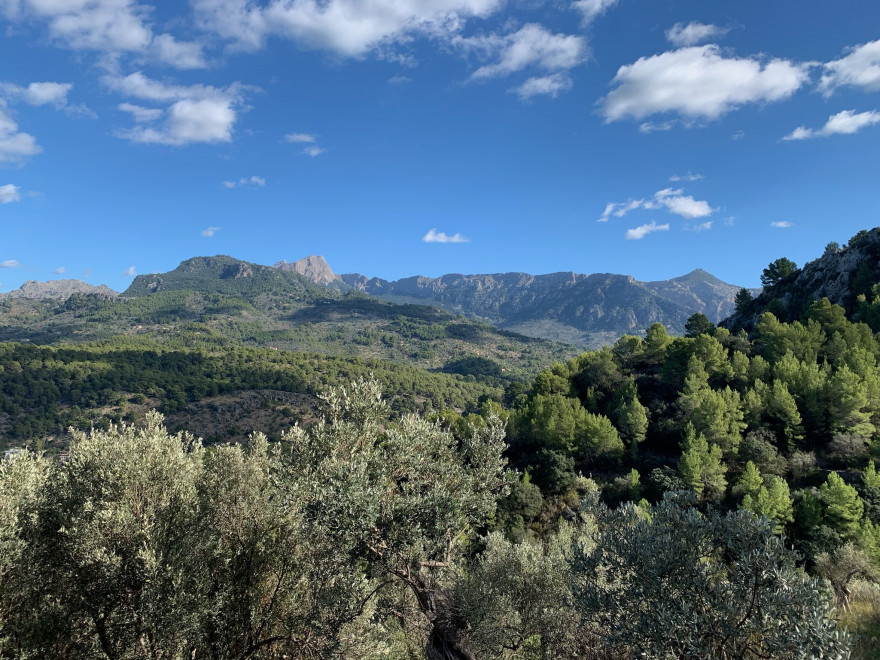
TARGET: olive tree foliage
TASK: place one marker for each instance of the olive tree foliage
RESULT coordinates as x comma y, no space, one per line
407,499
687,585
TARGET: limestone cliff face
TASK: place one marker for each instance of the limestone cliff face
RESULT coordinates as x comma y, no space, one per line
314,268
584,309
58,290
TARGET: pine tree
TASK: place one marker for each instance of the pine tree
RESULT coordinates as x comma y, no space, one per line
843,508
701,466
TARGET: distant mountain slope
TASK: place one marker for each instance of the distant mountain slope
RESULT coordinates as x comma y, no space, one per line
224,274
58,290
588,310
840,274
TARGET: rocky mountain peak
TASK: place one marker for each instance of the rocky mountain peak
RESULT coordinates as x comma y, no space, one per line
59,290
313,267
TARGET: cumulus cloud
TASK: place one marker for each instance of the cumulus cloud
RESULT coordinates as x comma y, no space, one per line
846,122
140,113
592,9
256,181
350,28
130,272
9,263
638,233
781,224
60,270
106,26
9,193
210,231
693,33
551,85
38,93
15,145
860,68
313,151
532,46
686,177
698,83
433,236
673,200
197,113
297,138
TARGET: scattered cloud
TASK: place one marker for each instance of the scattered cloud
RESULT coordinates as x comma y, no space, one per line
860,68
592,9
433,236
313,151
532,46
551,85
781,224
130,272
197,113
15,146
673,200
9,263
698,83
351,28
703,226
693,33
298,138
256,181
38,93
210,231
106,26
60,270
140,113
686,177
638,233
739,135
655,127
846,122
9,193
399,80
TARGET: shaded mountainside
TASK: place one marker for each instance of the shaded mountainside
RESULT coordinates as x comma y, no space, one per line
846,275
58,290
587,310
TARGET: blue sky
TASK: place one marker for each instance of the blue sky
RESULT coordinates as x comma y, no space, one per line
403,137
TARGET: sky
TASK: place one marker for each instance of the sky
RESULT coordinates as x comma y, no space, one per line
423,137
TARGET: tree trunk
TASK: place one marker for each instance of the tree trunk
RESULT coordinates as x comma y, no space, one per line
448,639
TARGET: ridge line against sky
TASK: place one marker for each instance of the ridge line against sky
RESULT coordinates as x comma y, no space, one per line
402,137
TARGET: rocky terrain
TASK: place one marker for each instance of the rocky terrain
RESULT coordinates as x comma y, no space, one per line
58,290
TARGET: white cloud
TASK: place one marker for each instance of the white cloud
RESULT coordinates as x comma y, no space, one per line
860,68
846,122
179,54
703,226
686,177
655,127
433,236
15,145
693,33
591,9
60,270
673,200
141,114
210,231
198,113
350,28
106,26
638,233
313,151
130,272
698,83
9,193
38,93
257,181
781,224
550,85
683,205
399,80
300,137
530,46
9,263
